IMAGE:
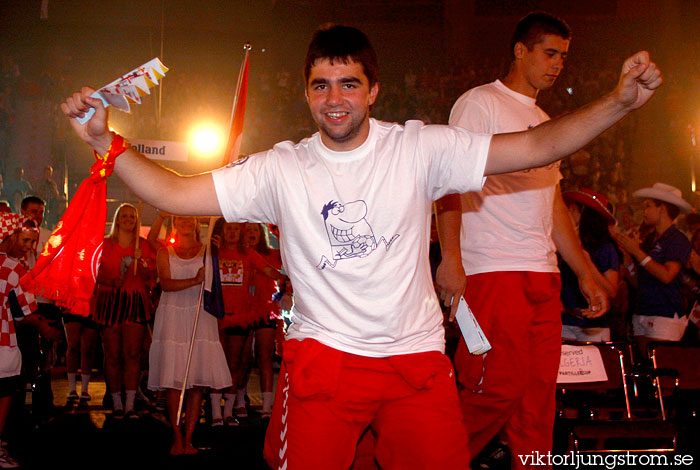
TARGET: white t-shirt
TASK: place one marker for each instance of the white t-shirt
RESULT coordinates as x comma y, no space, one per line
355,229
508,225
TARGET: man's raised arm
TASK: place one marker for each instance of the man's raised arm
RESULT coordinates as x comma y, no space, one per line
158,186
555,139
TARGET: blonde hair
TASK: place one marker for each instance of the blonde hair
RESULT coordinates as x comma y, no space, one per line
114,232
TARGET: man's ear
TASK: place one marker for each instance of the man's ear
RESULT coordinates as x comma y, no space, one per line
519,50
373,92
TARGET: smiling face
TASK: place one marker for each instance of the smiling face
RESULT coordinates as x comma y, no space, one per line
539,68
21,243
185,225
339,97
349,233
126,220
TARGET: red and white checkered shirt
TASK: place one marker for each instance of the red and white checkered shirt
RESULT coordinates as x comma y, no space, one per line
11,294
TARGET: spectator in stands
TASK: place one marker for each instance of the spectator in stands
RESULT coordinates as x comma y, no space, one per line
55,199
17,189
17,236
658,261
592,217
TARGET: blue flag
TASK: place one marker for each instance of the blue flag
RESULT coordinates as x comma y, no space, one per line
213,295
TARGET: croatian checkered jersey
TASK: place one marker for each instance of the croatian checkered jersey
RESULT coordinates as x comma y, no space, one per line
15,302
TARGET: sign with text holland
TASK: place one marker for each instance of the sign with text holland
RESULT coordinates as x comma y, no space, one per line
161,149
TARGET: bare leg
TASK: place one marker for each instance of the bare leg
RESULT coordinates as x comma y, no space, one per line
73,340
132,341
246,364
264,346
88,339
234,349
172,396
194,402
112,345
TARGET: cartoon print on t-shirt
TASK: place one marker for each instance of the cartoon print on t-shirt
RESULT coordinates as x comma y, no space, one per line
349,233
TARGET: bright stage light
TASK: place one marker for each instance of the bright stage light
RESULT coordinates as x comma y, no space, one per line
206,140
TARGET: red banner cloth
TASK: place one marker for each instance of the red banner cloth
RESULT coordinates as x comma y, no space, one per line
66,269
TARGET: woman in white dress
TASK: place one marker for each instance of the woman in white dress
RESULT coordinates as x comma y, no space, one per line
181,272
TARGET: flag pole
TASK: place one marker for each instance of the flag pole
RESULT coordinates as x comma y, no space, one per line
231,152
189,355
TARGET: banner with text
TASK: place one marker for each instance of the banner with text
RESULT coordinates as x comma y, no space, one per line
161,149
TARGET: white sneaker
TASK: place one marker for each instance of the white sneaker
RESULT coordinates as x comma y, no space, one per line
6,461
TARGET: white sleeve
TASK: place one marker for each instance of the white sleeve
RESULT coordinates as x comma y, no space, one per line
470,113
455,158
246,191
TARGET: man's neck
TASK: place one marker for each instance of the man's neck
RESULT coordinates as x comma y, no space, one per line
662,226
517,82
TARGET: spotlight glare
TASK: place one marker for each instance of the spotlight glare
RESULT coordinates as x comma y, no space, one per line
206,140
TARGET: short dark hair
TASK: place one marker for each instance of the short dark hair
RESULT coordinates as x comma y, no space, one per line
532,27
343,44
31,200
671,209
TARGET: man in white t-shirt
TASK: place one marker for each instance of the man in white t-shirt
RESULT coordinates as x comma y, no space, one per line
510,232
353,206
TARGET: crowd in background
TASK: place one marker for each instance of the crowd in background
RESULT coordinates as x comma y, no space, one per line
276,108
421,93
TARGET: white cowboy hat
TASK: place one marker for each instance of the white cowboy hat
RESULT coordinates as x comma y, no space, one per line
666,193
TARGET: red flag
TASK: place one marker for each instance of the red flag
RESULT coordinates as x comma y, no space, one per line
233,144
66,269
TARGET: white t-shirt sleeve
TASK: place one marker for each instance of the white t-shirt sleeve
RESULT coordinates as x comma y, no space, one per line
469,113
245,189
457,159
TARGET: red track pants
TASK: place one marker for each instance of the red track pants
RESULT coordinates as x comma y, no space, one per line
513,385
326,398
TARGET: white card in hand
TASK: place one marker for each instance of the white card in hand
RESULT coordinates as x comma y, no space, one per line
473,336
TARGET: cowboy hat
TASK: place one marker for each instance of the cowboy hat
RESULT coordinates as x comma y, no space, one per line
666,193
589,198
